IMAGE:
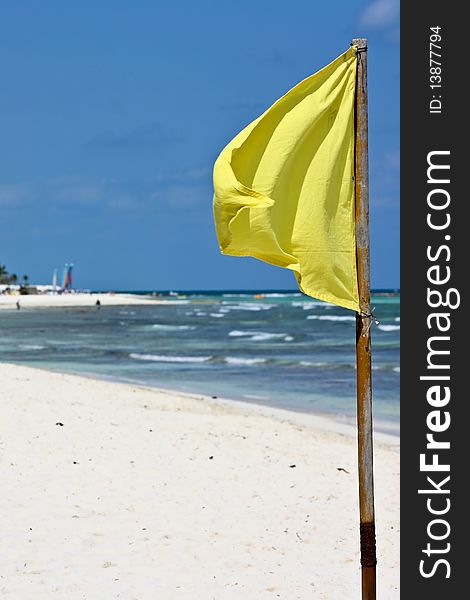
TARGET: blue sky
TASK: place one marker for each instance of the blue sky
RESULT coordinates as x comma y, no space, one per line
113,112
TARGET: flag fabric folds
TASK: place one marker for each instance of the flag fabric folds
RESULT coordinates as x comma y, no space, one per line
284,186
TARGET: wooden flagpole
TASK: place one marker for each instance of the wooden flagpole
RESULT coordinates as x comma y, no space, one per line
363,338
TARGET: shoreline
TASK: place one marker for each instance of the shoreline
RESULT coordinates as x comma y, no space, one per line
78,299
148,493
311,420
329,422
383,428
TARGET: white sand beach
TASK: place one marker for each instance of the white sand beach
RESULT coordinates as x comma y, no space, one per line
75,299
117,491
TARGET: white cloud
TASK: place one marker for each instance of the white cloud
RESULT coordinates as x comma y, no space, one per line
58,191
384,201
73,190
13,194
392,159
381,14
146,136
185,187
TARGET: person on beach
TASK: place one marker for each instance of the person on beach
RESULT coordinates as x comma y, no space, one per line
18,306
98,303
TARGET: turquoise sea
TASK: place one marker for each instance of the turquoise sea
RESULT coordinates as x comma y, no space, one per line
276,348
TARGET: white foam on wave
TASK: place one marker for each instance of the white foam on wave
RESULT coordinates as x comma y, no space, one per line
251,306
236,295
165,327
307,363
388,327
260,336
331,318
237,360
172,359
307,304
278,295
32,347
397,319
216,315
396,369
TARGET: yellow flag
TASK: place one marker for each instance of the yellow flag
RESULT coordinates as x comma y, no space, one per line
284,186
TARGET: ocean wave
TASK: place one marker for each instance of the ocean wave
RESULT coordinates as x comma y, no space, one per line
307,304
328,365
216,315
236,295
164,327
252,306
385,367
237,360
388,327
171,359
397,319
260,336
280,295
307,363
331,318
31,347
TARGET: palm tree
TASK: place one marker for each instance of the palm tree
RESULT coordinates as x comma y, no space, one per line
5,277
3,274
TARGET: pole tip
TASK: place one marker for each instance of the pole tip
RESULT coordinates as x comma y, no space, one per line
361,43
